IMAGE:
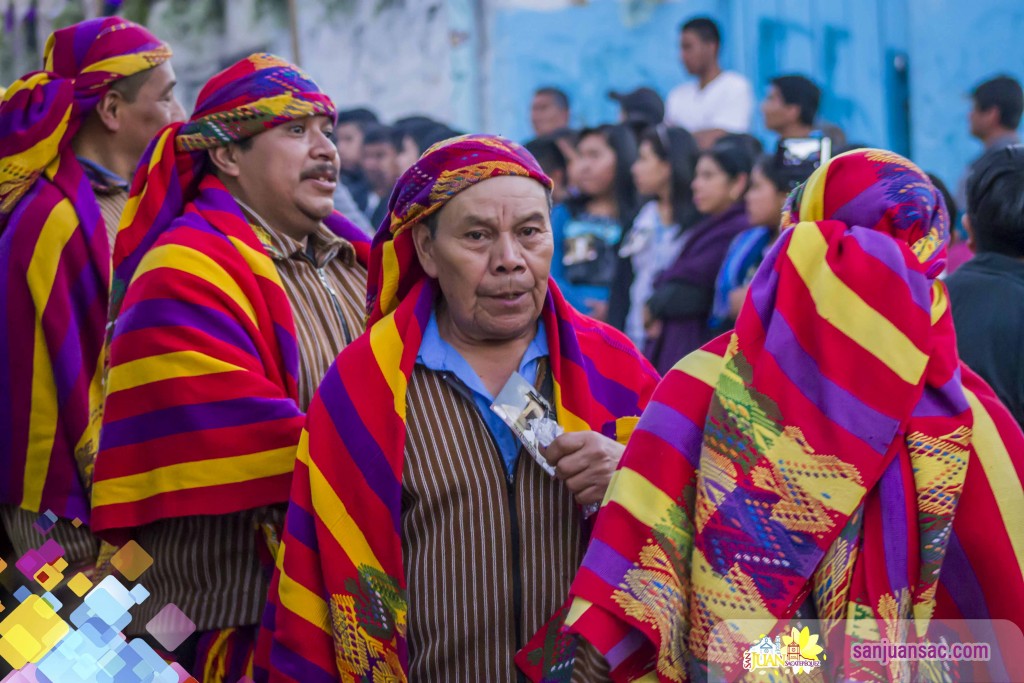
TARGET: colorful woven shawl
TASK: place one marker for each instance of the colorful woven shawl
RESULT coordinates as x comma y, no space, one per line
337,606
55,264
201,415
832,453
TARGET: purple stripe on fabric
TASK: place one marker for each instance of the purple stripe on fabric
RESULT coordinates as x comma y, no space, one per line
293,665
839,405
961,582
301,525
87,208
894,525
614,397
195,418
289,350
887,250
675,429
866,208
765,283
362,447
176,313
625,648
87,309
83,40
943,401
606,562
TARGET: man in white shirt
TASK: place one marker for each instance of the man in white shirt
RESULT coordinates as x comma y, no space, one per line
717,102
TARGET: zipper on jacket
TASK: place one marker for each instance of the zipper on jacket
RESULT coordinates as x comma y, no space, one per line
322,275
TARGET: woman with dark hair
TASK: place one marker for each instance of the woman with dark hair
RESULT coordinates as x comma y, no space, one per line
771,181
589,228
676,320
663,171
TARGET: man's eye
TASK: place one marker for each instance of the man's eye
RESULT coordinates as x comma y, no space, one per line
298,128
476,235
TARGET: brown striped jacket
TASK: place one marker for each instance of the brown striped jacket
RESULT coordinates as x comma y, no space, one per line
488,558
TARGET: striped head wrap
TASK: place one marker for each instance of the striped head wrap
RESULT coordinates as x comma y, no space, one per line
42,111
444,170
55,264
253,95
831,456
337,602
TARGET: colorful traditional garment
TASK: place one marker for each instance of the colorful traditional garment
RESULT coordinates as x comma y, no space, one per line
201,415
55,264
831,457
338,604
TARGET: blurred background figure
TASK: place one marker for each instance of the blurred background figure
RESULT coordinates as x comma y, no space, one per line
791,105
382,146
717,102
419,133
588,227
640,108
996,107
663,173
549,111
349,133
551,153
676,320
987,292
771,181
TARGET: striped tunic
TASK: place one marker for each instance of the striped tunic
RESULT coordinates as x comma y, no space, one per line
216,568
488,559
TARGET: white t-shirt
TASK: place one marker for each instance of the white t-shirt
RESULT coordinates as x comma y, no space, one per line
727,102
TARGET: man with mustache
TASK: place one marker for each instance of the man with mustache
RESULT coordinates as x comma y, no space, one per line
70,137
235,288
422,541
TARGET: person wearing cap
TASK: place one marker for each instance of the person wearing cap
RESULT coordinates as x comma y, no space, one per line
235,288
640,108
422,542
70,136
717,101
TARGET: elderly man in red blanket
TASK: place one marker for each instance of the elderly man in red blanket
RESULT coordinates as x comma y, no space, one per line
235,288
70,137
425,540
830,461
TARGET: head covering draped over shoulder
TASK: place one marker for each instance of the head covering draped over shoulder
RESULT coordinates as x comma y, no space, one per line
830,457
444,170
55,264
194,280
42,111
354,447
251,96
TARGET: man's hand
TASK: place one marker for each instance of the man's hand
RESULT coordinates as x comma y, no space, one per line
585,461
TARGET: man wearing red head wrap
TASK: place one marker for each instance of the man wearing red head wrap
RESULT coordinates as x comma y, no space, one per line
235,286
69,137
423,542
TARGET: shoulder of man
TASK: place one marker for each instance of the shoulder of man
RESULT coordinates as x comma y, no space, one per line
29,216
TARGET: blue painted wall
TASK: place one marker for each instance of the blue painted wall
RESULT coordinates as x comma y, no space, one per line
895,73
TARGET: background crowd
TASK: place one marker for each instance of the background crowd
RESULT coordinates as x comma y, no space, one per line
662,217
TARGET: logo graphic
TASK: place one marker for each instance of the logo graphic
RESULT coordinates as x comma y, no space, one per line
797,652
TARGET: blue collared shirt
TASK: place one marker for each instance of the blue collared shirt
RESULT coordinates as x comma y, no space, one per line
437,354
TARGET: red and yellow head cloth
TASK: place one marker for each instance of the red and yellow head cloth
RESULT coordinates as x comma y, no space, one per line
880,190
251,96
42,111
444,170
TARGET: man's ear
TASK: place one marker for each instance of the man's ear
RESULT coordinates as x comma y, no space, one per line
972,244
110,109
424,248
227,159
